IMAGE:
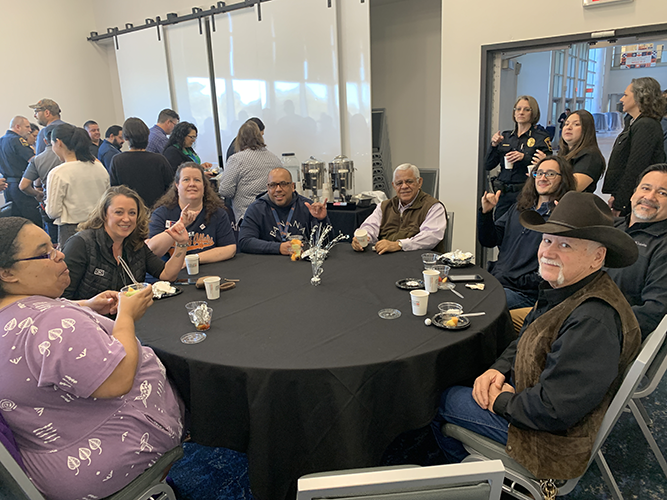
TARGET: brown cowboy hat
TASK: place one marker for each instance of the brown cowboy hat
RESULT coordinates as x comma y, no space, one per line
587,217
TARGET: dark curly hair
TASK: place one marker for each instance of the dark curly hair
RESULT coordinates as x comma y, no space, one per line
648,97
179,134
528,197
211,201
98,216
10,227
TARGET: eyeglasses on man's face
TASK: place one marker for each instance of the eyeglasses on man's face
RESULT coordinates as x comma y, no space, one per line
51,254
549,174
274,185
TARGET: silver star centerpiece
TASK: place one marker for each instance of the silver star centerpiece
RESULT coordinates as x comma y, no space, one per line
319,249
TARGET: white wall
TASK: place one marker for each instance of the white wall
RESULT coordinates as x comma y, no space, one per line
45,54
405,63
465,29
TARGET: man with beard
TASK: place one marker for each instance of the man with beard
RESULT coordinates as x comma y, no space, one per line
93,130
516,267
546,396
644,284
111,145
47,114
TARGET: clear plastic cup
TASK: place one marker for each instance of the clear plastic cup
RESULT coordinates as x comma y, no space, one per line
429,259
195,304
130,290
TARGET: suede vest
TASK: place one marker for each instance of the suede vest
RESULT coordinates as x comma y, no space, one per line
395,227
566,456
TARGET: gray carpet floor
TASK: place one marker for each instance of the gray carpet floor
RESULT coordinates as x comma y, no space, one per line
220,474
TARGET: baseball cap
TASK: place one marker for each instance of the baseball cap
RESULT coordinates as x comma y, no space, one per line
44,104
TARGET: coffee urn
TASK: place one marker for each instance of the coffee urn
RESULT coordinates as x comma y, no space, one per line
341,170
313,175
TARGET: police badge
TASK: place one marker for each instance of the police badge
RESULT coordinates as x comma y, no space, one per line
531,142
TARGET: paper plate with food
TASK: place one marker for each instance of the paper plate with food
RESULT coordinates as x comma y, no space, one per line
457,258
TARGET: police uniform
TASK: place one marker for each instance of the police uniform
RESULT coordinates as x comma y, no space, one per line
14,155
510,181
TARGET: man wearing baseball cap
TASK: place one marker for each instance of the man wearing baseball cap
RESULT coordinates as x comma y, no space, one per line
546,396
47,113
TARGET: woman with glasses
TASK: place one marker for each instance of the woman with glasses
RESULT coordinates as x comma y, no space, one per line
116,229
89,407
514,151
75,186
179,148
579,146
244,177
639,145
517,264
192,201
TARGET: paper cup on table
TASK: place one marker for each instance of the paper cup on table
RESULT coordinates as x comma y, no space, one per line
431,277
362,237
192,263
212,284
419,299
508,164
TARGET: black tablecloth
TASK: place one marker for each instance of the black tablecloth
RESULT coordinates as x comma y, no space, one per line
346,221
307,379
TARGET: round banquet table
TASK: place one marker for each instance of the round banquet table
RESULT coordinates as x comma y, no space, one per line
306,379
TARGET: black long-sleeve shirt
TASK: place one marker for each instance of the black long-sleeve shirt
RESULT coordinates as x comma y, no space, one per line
579,369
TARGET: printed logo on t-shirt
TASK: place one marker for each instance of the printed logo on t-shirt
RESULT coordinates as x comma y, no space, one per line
98,272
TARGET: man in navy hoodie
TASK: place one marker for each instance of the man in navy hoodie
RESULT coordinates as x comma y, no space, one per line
279,216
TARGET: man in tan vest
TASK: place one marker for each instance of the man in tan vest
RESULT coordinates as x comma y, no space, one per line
411,220
546,395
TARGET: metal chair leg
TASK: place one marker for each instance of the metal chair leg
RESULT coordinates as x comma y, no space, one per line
642,411
636,411
607,476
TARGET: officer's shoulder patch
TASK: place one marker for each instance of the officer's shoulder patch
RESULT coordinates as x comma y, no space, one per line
23,142
547,141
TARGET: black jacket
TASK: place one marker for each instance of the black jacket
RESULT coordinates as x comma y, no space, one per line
644,283
639,146
93,268
516,267
175,157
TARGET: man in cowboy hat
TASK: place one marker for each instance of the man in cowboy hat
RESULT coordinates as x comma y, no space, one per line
546,395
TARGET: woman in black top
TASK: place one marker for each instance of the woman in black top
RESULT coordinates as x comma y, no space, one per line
639,146
579,146
179,147
518,147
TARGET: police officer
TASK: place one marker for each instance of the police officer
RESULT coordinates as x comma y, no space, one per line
15,152
514,149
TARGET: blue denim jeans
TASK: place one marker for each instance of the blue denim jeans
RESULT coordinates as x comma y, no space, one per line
458,407
517,300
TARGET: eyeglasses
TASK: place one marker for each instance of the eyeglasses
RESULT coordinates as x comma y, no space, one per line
407,182
51,254
550,174
527,110
192,136
274,185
